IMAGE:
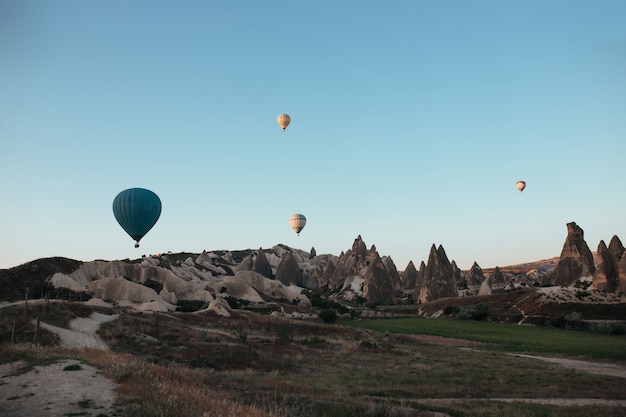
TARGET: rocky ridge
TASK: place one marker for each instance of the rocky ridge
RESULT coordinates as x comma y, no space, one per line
358,275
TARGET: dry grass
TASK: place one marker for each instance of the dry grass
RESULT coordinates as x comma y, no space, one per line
181,364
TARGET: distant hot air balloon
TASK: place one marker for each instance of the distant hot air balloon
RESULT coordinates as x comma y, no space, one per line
137,211
283,120
297,222
520,185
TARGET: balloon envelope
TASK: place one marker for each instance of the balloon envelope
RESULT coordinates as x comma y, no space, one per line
283,120
137,211
297,222
520,185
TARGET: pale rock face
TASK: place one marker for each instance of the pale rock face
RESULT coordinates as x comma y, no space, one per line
220,307
251,286
485,287
60,280
117,289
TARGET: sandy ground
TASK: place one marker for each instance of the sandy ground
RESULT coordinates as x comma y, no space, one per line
52,391
82,331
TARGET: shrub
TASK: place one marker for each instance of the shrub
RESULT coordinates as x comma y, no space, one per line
328,316
482,311
582,294
608,327
187,306
463,314
450,310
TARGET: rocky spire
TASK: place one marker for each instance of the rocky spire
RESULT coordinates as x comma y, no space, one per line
329,270
616,249
378,274
349,264
497,278
576,259
288,271
475,276
621,282
261,265
438,279
605,276
456,273
313,253
390,266
409,277
378,286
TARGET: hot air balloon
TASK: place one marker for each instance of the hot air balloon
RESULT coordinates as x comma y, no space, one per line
520,185
283,120
137,211
297,222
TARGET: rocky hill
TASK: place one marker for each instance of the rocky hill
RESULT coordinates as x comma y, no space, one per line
358,276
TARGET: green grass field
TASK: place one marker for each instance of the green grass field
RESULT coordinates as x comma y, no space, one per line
508,337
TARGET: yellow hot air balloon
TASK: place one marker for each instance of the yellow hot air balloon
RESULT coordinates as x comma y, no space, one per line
520,185
297,222
283,120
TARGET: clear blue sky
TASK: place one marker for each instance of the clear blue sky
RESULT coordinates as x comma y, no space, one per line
411,122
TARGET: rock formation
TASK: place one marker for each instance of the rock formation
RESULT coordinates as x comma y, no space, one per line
616,249
475,276
485,287
607,274
409,278
621,282
359,267
438,280
497,278
288,271
456,274
262,266
576,260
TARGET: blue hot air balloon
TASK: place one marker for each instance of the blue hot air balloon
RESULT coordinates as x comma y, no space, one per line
137,211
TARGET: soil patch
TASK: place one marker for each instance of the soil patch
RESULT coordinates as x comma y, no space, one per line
65,388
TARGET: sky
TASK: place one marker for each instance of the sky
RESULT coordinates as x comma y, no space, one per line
411,122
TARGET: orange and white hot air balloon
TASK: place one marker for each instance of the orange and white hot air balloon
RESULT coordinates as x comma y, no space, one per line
283,120
520,185
297,222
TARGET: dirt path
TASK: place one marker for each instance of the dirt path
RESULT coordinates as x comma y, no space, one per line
599,368
82,331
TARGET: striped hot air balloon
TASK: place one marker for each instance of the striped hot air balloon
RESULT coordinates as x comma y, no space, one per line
297,222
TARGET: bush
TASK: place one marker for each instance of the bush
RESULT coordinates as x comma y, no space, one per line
608,327
573,320
482,311
463,314
328,316
450,310
187,306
